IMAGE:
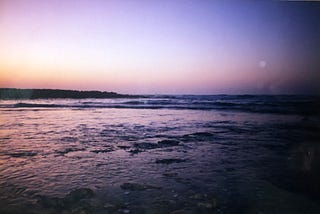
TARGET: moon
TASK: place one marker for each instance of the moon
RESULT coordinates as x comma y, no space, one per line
262,64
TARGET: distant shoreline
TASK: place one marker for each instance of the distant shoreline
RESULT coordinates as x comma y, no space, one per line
30,94
15,93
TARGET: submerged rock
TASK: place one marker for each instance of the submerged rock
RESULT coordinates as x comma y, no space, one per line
146,145
182,211
125,211
78,194
49,202
167,143
170,160
69,139
160,144
109,205
170,174
103,150
135,151
199,136
78,198
137,187
202,202
22,154
110,208
198,196
124,147
67,150
205,205
202,134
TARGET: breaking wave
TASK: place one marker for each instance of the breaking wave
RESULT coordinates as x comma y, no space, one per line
245,103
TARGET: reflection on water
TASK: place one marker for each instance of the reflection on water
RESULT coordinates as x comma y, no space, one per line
157,161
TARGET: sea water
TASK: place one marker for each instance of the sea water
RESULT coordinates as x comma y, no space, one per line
161,154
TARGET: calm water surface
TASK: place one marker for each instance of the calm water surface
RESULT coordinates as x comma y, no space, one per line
160,155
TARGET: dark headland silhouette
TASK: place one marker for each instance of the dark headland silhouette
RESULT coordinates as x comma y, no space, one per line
14,93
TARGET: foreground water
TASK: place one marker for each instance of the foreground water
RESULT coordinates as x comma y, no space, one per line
182,154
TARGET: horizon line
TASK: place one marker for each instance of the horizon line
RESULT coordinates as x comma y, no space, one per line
173,94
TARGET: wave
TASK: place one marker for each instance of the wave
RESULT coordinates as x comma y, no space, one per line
247,103
31,105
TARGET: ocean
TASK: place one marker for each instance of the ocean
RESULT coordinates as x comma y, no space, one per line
161,154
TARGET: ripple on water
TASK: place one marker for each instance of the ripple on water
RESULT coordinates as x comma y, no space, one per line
195,158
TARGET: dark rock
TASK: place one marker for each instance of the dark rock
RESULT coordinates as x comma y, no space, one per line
205,205
181,211
160,144
202,134
124,147
69,139
82,193
184,181
198,196
67,150
210,204
72,198
22,154
125,210
102,150
170,161
166,143
135,151
146,145
109,206
204,202
137,187
49,202
170,174
77,201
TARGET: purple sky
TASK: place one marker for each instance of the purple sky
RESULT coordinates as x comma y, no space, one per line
184,47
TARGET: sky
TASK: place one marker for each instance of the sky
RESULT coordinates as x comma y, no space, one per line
161,47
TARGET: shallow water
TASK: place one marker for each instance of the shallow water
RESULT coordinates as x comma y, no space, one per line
158,160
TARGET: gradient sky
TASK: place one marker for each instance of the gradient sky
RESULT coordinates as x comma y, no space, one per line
163,47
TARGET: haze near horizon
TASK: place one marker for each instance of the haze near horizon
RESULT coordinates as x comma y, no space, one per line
162,47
